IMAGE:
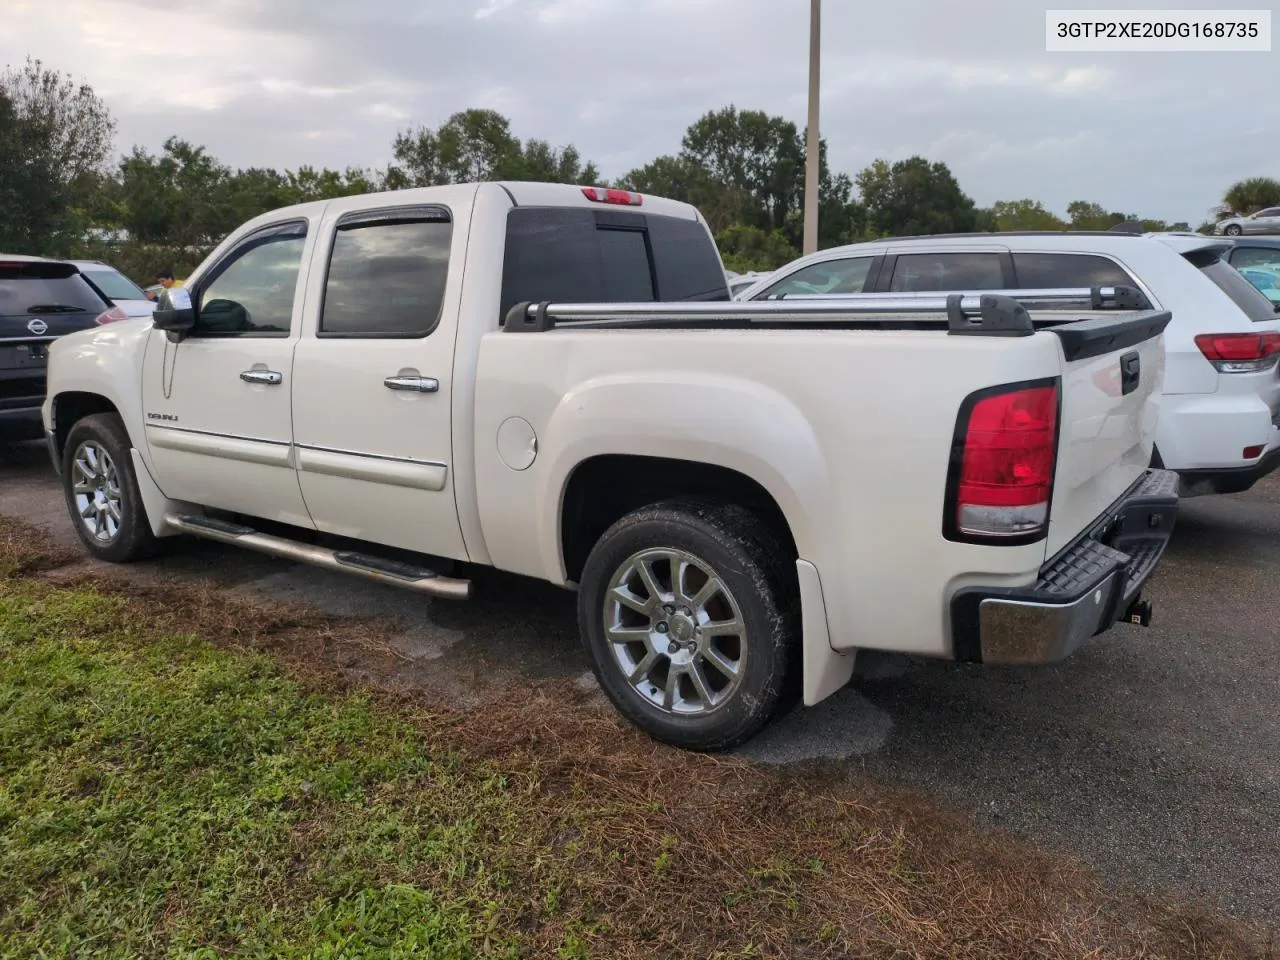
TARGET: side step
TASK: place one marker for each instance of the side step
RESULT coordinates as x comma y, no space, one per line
391,572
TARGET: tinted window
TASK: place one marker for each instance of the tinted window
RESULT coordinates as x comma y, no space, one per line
251,294
1049,271
834,276
917,272
624,262
1245,295
575,255
387,278
114,285
1264,257
1270,212
35,289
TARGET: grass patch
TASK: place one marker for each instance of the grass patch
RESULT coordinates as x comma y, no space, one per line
168,788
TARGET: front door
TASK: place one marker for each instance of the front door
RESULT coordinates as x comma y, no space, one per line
372,386
217,404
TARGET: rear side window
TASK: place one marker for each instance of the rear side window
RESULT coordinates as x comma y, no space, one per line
31,289
1243,293
387,275
833,276
1049,271
924,272
573,255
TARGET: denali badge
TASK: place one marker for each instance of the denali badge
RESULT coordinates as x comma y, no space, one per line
162,416
37,326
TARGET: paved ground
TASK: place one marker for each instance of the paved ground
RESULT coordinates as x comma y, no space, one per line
1152,754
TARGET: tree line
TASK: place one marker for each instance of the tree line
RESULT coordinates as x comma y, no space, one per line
64,191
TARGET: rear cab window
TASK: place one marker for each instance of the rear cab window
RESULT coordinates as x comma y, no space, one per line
576,255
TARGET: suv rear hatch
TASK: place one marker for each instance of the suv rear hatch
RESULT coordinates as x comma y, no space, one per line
40,300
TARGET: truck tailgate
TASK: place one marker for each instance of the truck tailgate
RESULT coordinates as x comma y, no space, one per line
1113,369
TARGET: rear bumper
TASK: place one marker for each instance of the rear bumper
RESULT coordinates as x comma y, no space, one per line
1080,593
22,423
1230,479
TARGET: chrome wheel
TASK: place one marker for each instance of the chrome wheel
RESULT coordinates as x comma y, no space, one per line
96,488
676,631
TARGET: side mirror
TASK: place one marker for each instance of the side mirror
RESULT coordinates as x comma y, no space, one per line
175,313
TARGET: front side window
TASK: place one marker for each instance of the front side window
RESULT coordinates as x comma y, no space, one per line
1055,271
387,276
1269,212
831,276
252,293
935,272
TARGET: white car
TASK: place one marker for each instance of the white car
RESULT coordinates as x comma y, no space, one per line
118,288
743,495
1219,422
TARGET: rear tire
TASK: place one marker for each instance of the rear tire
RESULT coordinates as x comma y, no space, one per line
702,658
101,490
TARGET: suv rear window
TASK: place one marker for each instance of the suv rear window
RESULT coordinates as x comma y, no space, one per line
32,289
1243,293
575,255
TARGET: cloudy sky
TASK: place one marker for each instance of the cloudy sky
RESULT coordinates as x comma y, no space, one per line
968,82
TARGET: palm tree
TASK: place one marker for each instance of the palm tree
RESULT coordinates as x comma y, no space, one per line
1250,196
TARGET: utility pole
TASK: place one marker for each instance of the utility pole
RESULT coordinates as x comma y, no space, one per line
812,160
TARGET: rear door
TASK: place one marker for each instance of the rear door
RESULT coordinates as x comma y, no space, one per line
980,266
373,379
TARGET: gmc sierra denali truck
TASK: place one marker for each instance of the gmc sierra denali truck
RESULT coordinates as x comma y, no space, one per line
552,380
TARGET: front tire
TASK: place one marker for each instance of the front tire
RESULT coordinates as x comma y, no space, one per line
101,490
689,612
1232,231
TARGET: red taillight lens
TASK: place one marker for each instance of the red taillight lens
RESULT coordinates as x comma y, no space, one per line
1240,352
110,316
1005,475
602,195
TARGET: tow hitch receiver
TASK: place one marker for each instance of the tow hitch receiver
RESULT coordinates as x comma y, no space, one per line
1139,612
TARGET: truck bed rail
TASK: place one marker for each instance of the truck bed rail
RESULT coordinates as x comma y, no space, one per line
999,313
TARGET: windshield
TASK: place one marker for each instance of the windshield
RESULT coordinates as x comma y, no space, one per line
114,284
1244,294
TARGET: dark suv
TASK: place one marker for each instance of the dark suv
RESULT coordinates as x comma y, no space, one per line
40,300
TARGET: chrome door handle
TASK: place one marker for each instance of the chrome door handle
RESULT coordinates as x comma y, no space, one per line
413,384
271,377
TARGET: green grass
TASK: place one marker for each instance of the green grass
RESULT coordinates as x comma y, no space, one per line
172,798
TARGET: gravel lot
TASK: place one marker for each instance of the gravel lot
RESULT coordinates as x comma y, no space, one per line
1152,754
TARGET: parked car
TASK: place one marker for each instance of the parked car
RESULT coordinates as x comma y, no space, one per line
40,300
1258,259
333,387
118,288
1219,424
1264,221
739,282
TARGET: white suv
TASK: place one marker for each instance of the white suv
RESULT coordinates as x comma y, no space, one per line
1220,411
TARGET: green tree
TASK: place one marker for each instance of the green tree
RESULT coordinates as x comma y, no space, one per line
179,198
475,145
57,141
1251,195
745,248
914,196
1083,215
1024,215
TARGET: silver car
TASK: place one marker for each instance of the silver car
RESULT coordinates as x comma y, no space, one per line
1264,221
122,291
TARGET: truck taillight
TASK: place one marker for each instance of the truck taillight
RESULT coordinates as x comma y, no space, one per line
623,197
1002,464
1240,352
110,315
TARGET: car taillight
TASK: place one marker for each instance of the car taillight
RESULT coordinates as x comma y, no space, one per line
602,195
110,315
1240,352
1003,462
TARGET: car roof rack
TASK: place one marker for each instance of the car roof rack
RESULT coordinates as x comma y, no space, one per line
988,313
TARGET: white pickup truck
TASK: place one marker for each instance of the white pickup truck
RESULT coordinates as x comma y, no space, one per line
551,380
